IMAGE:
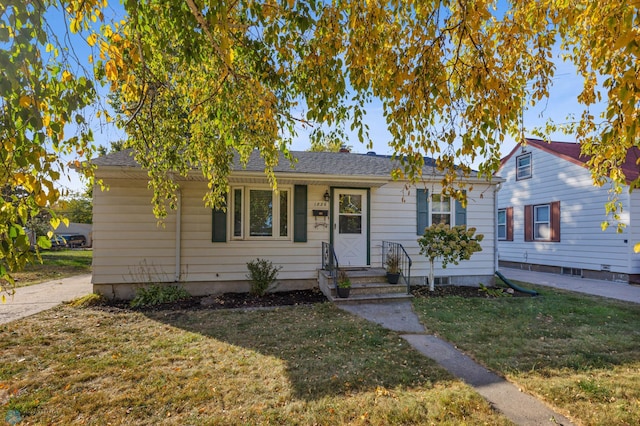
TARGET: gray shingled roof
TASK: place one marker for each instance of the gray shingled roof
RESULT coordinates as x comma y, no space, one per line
320,163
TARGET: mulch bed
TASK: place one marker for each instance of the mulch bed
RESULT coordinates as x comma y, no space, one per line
461,291
229,301
285,298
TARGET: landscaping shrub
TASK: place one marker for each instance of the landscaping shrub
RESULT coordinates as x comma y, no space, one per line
158,294
262,275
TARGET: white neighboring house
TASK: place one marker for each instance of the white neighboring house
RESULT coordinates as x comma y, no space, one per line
550,215
346,199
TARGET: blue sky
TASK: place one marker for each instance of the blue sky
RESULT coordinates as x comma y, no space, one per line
561,102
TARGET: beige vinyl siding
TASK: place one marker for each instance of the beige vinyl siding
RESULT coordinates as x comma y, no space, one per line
393,218
131,248
203,260
128,244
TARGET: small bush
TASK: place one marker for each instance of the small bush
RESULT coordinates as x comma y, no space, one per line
157,294
493,292
262,275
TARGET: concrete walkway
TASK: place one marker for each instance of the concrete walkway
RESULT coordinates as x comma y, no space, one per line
610,289
520,408
39,297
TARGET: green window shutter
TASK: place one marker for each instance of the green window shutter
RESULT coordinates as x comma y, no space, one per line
422,210
461,213
219,226
300,214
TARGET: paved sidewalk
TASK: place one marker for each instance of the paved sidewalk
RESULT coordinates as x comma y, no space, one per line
39,297
520,408
610,289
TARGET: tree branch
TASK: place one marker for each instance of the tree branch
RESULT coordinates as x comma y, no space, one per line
195,11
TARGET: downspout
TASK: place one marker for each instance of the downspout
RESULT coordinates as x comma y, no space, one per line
495,226
178,235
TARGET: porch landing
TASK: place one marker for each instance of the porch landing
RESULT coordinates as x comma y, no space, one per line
368,285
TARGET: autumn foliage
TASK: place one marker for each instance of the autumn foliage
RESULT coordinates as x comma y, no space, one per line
198,82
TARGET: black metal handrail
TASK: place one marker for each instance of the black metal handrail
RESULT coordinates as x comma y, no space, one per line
394,253
330,262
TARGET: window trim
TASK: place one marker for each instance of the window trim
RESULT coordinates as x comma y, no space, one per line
528,168
232,203
451,212
537,221
502,224
245,228
554,222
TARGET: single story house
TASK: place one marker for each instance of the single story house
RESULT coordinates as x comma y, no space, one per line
346,199
550,214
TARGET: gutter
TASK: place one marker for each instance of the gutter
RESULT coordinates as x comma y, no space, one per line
178,235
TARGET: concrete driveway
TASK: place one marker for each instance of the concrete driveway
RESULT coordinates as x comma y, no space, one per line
39,297
609,289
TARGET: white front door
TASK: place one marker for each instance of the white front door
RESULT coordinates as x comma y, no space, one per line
350,226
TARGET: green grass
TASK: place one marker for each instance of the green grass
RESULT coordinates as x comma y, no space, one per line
55,265
579,353
301,365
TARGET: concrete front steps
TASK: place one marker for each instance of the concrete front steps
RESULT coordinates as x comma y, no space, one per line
368,285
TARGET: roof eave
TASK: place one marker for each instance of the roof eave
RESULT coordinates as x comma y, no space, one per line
128,172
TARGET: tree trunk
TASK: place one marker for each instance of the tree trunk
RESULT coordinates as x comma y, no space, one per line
431,278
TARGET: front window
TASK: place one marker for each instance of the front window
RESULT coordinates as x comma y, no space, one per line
502,224
284,213
440,209
237,213
523,167
541,222
260,213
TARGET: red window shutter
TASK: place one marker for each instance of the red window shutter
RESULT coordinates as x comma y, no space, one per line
528,223
555,221
509,212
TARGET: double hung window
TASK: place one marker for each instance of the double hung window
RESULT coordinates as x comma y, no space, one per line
505,224
440,209
542,222
523,166
260,213
502,224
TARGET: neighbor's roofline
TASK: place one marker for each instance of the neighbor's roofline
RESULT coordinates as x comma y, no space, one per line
543,146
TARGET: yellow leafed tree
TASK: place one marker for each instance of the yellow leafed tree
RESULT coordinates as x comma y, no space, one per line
196,82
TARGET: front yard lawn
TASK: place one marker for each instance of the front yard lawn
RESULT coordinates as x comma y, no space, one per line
579,353
316,364
303,365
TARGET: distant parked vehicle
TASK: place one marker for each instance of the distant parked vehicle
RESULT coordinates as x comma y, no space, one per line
74,240
57,242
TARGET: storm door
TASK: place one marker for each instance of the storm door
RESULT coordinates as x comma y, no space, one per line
350,237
